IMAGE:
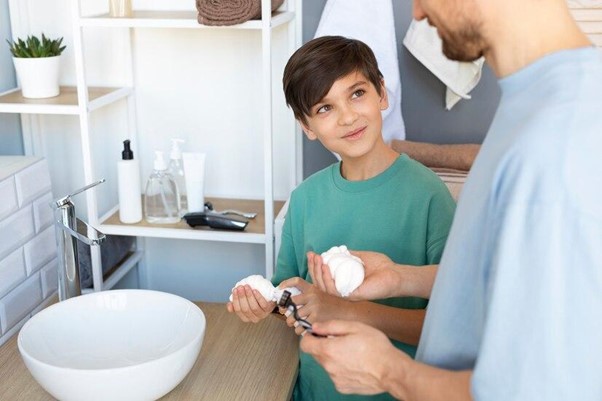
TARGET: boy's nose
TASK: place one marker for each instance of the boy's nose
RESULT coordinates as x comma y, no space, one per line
347,116
417,11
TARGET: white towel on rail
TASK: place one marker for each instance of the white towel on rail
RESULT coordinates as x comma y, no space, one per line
460,78
371,21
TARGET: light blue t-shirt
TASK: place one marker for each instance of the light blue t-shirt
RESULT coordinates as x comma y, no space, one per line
518,296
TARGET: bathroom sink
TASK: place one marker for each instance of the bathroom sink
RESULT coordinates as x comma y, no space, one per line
113,345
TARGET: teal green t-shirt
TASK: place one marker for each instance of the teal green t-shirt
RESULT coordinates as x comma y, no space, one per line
405,213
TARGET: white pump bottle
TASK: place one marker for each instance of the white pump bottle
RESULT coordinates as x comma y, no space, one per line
128,185
161,200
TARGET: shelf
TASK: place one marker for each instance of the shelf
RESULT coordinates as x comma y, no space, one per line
64,104
254,233
176,19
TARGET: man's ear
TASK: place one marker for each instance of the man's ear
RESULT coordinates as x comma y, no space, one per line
307,131
384,97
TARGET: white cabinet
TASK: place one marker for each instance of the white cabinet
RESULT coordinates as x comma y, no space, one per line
126,101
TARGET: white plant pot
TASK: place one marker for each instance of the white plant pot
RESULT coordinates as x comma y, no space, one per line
39,77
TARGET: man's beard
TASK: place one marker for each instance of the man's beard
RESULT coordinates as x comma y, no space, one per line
465,45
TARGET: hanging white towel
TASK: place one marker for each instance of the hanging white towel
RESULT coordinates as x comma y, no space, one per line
460,78
371,21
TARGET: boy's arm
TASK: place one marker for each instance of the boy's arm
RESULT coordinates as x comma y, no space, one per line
286,263
383,278
249,304
403,325
400,324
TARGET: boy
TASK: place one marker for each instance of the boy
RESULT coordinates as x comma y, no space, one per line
373,199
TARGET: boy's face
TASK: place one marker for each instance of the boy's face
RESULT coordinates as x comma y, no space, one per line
348,119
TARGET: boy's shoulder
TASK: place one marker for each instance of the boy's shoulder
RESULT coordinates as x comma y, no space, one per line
410,172
317,179
420,172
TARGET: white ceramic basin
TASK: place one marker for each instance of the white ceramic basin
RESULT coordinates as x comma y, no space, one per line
113,345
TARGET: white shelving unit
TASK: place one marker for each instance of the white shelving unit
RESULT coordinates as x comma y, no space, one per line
82,100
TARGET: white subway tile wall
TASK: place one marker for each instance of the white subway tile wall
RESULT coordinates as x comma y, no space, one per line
16,230
49,276
40,250
8,197
32,182
12,271
20,302
28,255
42,213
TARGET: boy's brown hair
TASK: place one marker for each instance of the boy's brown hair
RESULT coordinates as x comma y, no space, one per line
314,67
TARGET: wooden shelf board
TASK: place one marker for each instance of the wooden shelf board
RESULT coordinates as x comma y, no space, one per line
65,103
175,19
254,233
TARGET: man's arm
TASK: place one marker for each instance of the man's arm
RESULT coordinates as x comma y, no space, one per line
361,360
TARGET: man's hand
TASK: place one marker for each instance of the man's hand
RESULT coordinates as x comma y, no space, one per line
249,304
356,356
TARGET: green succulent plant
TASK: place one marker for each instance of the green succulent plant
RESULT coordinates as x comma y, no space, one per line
33,47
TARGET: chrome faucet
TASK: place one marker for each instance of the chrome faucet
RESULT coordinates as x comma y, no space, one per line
68,230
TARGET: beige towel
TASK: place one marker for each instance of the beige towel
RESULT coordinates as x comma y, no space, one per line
230,12
456,157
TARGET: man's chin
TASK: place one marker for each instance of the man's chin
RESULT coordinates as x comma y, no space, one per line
460,55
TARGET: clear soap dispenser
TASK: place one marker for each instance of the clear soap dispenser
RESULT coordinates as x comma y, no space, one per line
176,169
161,200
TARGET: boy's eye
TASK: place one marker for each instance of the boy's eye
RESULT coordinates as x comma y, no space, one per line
358,93
323,109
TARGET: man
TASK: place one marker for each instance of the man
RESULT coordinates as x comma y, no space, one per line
515,310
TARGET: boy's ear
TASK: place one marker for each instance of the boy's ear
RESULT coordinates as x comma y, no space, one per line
308,132
384,97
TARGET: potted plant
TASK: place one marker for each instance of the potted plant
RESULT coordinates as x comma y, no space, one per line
37,65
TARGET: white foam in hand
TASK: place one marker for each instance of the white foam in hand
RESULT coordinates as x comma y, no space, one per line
346,270
265,288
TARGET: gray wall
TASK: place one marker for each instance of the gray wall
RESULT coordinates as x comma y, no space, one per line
11,142
423,95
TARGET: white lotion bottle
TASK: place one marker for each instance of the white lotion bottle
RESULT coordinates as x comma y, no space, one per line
176,169
128,186
194,169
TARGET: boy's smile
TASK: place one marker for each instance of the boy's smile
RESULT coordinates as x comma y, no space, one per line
355,134
348,119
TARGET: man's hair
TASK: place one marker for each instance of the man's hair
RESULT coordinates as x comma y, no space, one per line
314,67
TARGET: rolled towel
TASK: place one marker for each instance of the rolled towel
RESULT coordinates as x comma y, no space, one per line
456,156
265,288
346,270
423,41
230,12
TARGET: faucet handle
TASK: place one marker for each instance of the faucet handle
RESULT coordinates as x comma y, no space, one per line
65,199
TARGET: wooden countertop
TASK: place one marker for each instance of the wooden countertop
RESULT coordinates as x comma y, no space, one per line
238,361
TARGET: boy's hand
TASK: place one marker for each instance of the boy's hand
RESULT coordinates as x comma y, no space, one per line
316,305
320,274
249,304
